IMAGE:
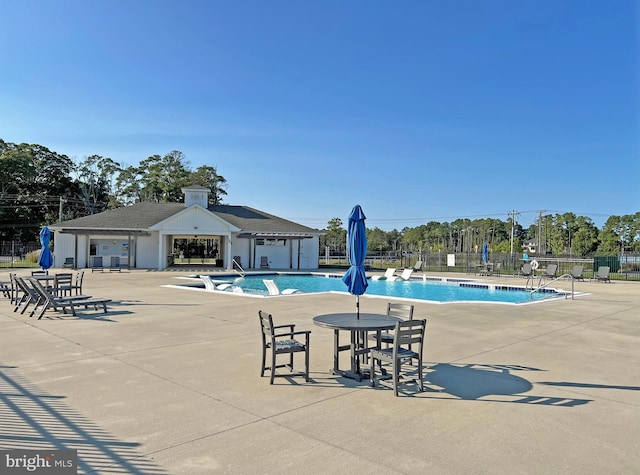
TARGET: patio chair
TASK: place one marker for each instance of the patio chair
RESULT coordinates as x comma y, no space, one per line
96,264
280,339
406,275
68,263
5,289
48,300
77,284
549,272
273,289
400,310
526,270
115,264
603,274
577,271
407,333
496,268
387,274
264,262
62,284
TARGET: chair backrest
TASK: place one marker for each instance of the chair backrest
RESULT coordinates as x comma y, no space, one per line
603,271
551,269
23,287
79,278
62,279
115,261
497,266
266,324
577,270
407,334
389,272
41,290
400,310
68,262
97,261
264,262
406,274
38,272
208,283
418,266
272,287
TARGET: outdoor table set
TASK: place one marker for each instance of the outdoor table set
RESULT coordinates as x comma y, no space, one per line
358,326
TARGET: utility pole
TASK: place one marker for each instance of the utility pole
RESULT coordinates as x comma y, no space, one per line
513,224
60,210
540,211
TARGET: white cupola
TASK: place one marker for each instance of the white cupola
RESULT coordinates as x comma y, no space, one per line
196,195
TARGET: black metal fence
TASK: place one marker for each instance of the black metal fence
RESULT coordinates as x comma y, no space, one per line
18,253
625,267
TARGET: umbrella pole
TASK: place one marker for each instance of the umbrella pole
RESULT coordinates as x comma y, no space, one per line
358,307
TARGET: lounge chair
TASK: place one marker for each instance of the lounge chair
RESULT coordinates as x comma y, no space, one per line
549,272
406,275
526,270
49,300
603,274
418,266
387,274
208,283
577,272
273,289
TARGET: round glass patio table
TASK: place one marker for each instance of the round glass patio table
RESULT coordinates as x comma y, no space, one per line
358,346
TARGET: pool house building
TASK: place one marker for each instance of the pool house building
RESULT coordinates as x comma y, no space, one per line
159,235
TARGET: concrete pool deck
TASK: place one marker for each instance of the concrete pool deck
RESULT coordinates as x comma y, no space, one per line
168,383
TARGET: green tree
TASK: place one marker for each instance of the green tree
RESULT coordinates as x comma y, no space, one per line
207,176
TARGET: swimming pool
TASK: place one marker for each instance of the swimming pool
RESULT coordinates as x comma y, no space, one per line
430,289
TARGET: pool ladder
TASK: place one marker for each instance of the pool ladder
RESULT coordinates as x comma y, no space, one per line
540,287
238,268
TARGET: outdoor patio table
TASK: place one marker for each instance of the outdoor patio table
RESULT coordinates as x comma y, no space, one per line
368,322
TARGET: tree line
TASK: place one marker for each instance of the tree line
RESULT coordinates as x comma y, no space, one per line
554,234
39,186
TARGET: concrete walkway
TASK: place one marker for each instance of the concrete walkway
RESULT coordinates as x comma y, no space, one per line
168,383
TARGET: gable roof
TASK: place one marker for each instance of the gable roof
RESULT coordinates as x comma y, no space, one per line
142,216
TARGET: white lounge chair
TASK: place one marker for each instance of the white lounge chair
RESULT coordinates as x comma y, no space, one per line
273,289
387,274
208,283
406,275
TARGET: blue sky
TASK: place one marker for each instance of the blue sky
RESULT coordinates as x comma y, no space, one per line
416,110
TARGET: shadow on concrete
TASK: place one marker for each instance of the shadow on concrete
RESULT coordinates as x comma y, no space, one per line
589,385
32,419
489,383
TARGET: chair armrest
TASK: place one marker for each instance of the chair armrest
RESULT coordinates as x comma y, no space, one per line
289,325
289,334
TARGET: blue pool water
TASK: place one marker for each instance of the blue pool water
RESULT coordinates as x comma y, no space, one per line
433,290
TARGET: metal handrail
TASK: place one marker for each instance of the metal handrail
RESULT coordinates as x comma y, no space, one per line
237,264
551,282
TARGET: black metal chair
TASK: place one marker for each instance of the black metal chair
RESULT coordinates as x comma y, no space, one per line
280,339
407,333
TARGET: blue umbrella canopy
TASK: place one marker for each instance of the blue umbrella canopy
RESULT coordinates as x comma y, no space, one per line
45,258
485,252
355,278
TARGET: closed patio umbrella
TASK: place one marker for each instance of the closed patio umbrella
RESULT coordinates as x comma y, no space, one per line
45,258
485,253
355,278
